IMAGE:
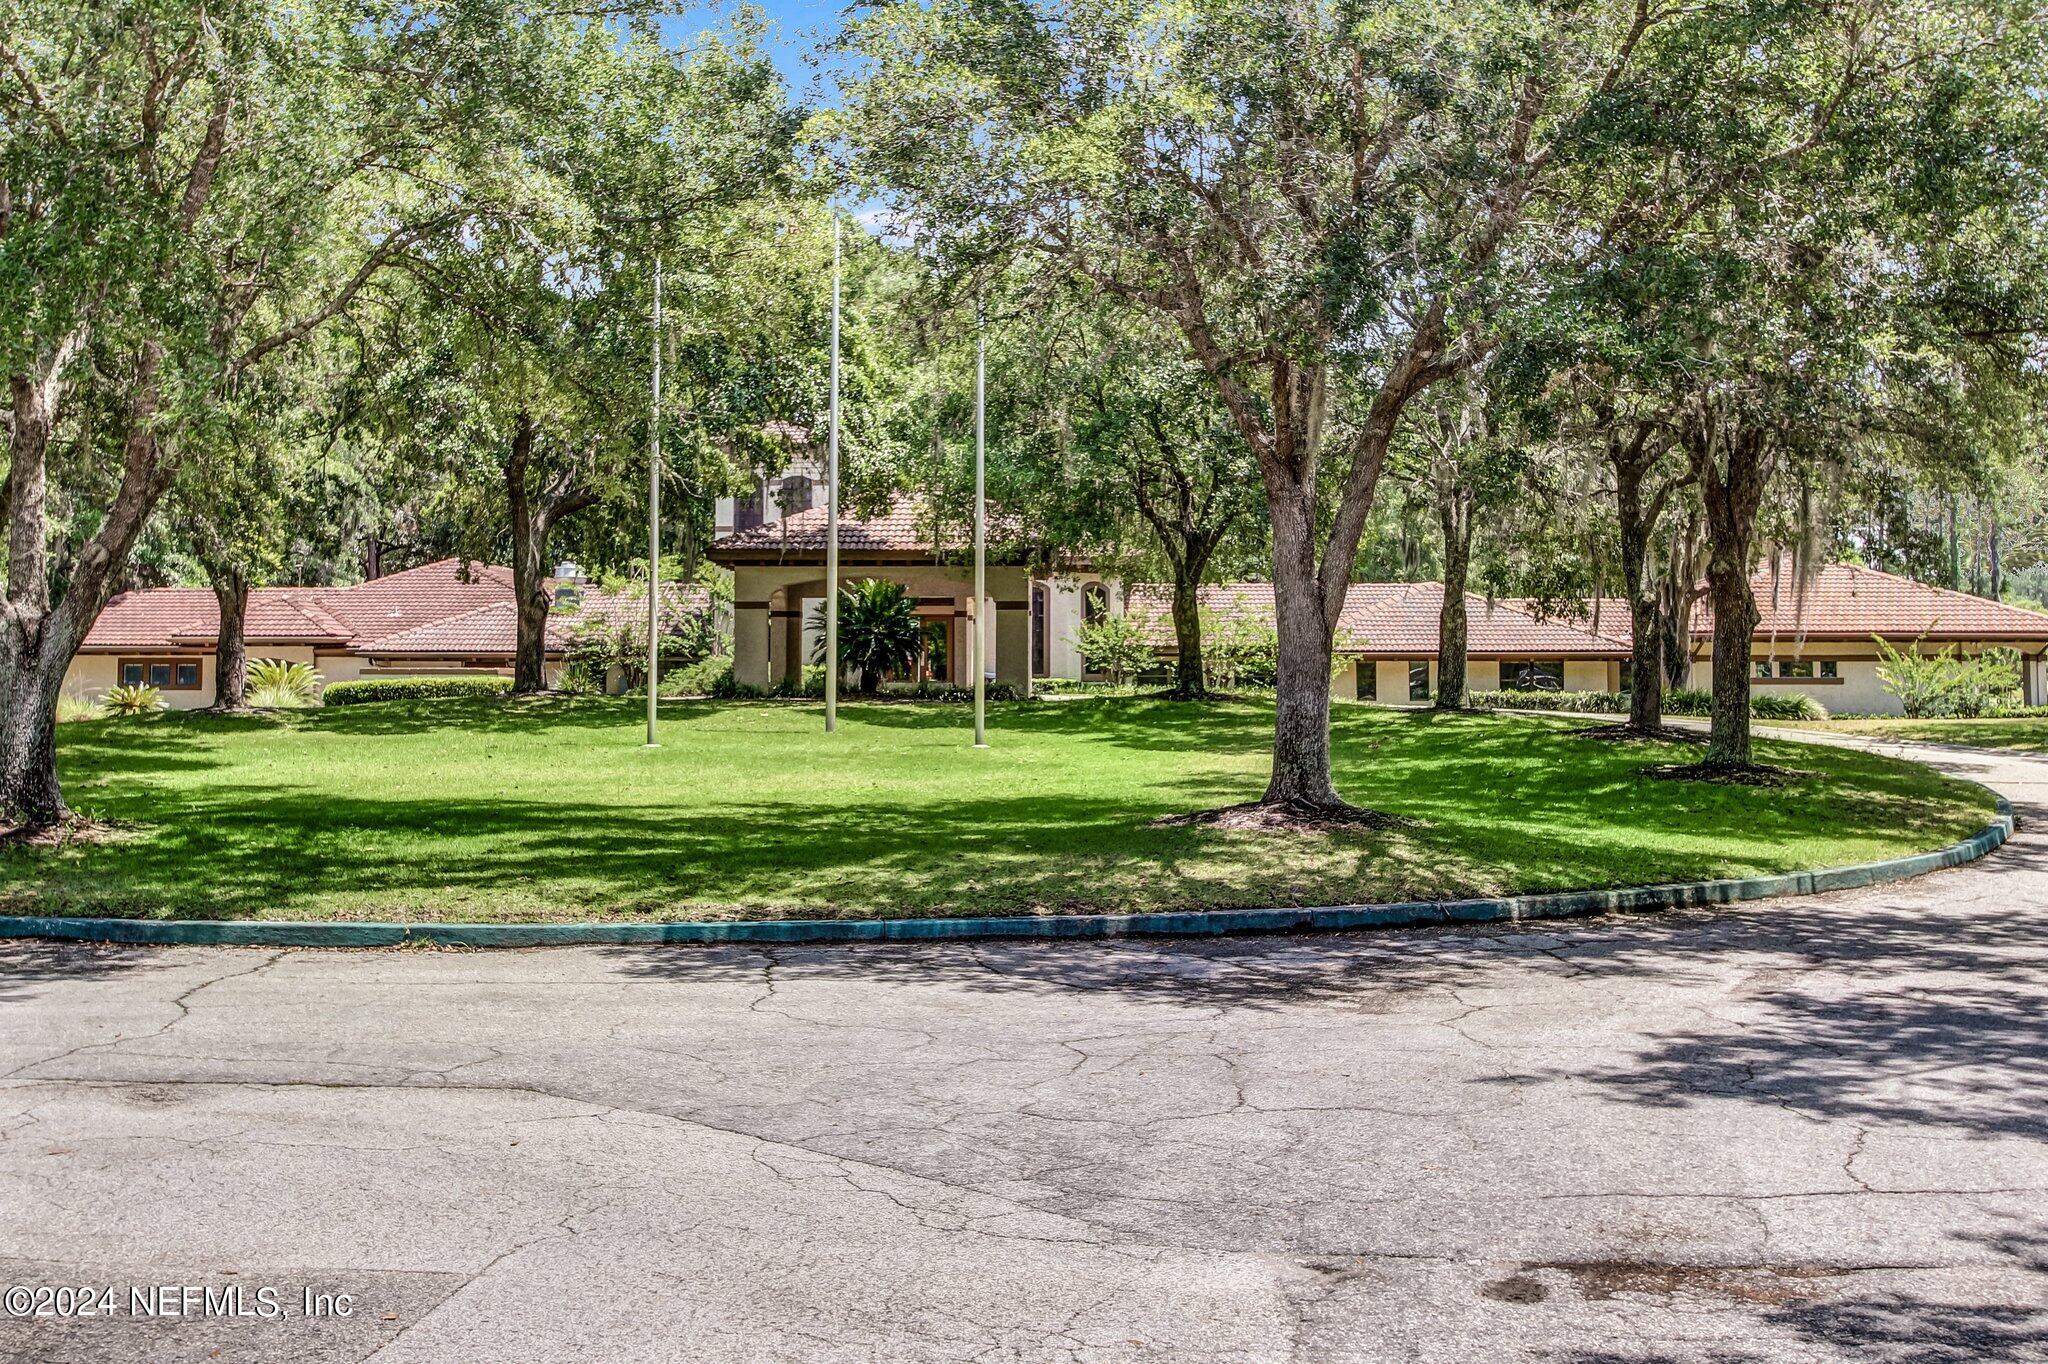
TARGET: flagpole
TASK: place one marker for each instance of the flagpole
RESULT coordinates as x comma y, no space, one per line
654,529
832,513
980,534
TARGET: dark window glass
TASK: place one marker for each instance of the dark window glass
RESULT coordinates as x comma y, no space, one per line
1418,681
1094,603
1038,608
131,674
1827,668
794,495
750,510
1763,667
188,674
1628,674
159,674
1532,675
1368,679
1799,667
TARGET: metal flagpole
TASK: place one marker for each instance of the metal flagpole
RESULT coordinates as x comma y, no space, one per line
832,514
654,527
980,535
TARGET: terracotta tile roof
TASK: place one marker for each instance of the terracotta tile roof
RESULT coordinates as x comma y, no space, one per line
437,609
1388,620
1848,601
399,602
189,617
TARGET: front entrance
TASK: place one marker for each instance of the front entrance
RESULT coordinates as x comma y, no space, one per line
935,657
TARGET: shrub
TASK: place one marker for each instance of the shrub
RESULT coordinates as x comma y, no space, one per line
277,685
1239,652
1688,701
726,687
1515,698
811,686
1946,683
598,646
134,700
70,708
698,679
365,689
1786,705
1114,645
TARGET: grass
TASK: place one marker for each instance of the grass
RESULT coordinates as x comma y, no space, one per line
482,809
2028,735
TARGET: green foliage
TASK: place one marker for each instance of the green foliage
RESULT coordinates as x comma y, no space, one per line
1240,652
1116,646
71,707
1691,702
1516,698
598,646
879,631
1947,683
276,684
143,700
368,689
701,678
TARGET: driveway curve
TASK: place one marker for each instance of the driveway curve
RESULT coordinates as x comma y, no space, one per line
1807,1129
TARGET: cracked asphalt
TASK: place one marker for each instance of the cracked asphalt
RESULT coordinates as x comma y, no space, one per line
1800,1130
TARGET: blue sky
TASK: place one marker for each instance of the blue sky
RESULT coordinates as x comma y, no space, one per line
800,26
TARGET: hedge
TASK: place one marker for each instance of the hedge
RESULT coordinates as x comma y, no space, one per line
1688,701
411,689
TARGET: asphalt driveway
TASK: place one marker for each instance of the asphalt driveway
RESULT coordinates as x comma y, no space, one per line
1800,1130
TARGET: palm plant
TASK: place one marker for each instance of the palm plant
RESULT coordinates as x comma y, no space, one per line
277,685
72,707
134,700
878,631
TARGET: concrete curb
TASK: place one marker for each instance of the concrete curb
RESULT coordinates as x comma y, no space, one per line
1197,923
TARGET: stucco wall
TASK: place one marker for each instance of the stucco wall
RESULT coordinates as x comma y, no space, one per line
1858,690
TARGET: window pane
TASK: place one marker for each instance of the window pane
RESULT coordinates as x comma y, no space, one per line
159,674
1796,668
1368,679
1827,668
1418,681
188,674
1763,667
131,674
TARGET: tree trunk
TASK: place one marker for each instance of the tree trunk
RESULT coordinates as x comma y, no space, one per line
230,649
1191,680
1730,457
529,517
1301,691
1454,511
1646,675
37,640
1735,621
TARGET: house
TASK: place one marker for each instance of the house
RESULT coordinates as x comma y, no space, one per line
1029,615
1819,642
440,619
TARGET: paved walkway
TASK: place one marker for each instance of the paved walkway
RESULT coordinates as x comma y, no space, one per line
1801,1130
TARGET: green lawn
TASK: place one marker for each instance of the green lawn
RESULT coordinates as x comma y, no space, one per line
552,810
2014,736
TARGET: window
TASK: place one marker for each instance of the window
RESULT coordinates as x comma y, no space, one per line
1094,603
1800,668
1796,667
1763,667
794,495
750,511
1532,674
1038,630
1827,668
165,674
1418,679
1368,679
1628,674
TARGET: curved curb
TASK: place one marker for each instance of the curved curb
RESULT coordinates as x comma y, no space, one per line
1194,923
